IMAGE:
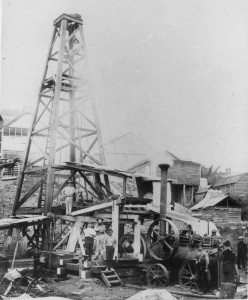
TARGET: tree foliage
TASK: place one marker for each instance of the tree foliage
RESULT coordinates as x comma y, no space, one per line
212,174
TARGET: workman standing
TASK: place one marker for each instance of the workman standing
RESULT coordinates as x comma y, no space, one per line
110,243
100,231
228,262
241,255
68,193
89,234
202,271
216,240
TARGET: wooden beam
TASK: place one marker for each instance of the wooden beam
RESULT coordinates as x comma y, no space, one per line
54,120
87,219
62,241
78,147
31,191
136,242
89,183
115,226
92,209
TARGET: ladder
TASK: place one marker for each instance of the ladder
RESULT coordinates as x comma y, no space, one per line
111,278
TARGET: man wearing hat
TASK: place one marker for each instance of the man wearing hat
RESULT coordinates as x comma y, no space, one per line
110,243
68,193
241,255
216,240
202,262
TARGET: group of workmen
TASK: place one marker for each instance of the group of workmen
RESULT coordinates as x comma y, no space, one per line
98,241
228,260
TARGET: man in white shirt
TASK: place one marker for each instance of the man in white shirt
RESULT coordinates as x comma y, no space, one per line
100,230
68,193
89,234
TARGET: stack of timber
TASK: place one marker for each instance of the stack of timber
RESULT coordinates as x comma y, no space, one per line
23,263
75,264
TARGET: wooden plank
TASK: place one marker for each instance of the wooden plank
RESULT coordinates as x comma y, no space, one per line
75,237
136,242
72,266
87,219
115,226
93,209
62,241
31,191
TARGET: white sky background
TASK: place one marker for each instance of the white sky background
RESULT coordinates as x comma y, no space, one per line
174,72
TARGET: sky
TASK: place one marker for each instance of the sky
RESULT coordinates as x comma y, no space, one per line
173,72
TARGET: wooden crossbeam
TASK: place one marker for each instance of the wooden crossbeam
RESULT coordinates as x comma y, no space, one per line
77,128
43,111
78,147
92,209
89,183
91,146
31,191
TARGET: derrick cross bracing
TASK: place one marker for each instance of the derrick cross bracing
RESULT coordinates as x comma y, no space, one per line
65,126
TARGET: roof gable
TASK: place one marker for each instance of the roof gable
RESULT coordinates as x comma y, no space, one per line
229,179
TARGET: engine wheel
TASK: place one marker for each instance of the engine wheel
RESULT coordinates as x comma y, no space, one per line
157,276
187,275
130,237
162,246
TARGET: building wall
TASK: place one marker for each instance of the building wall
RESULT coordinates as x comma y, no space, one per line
227,189
222,215
184,172
238,188
242,186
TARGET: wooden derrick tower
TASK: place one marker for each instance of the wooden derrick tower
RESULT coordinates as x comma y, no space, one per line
65,126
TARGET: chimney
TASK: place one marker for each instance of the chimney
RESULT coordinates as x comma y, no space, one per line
228,171
163,195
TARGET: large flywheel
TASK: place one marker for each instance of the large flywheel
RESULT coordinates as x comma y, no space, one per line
187,275
162,239
157,276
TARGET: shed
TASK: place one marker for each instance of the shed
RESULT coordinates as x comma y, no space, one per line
217,207
185,175
233,184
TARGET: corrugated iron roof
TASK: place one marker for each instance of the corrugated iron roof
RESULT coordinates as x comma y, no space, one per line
229,179
212,198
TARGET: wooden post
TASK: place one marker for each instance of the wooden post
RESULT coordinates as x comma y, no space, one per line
184,194
54,120
115,225
80,261
21,178
136,242
124,188
51,245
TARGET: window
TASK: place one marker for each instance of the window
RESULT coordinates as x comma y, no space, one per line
14,131
18,131
24,131
5,131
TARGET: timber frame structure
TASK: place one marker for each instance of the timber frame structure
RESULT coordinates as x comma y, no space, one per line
65,126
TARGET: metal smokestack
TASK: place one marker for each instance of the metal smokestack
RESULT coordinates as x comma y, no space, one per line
163,195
